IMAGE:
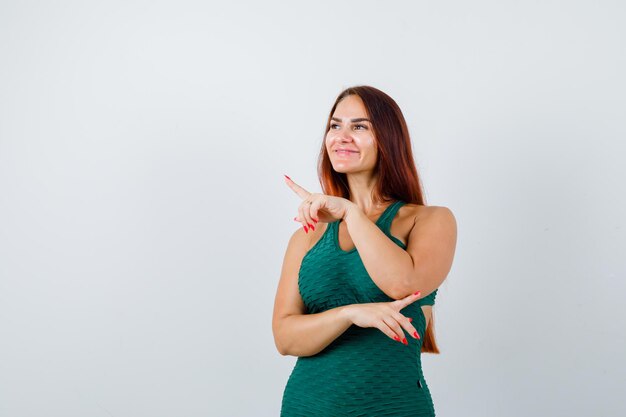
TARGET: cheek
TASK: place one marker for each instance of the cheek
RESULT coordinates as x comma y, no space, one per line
328,143
368,142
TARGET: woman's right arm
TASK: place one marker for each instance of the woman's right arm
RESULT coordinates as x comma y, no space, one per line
295,332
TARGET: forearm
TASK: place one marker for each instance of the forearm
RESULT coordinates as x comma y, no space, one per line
388,264
308,334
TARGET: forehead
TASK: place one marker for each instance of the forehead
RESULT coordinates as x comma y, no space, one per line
350,107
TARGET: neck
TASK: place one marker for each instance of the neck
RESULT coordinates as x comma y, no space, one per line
362,193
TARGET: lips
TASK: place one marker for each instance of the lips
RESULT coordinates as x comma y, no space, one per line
345,154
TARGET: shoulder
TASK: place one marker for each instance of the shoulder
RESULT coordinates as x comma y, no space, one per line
304,241
420,211
439,215
432,243
299,239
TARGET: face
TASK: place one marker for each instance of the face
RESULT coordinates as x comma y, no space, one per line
350,141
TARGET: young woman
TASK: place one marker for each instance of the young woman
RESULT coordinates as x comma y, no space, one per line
363,269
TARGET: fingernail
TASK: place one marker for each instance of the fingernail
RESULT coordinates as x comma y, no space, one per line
416,293
315,220
417,336
404,341
295,218
287,177
311,226
305,229
396,338
410,319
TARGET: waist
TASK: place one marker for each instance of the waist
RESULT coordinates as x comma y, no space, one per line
366,350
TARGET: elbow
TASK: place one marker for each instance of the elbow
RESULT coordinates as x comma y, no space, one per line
399,292
282,350
403,286
407,286
401,289
282,340
280,346
278,340
399,295
285,349
291,350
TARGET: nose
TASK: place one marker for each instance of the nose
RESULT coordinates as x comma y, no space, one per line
343,135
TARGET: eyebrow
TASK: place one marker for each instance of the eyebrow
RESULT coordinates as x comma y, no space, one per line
359,119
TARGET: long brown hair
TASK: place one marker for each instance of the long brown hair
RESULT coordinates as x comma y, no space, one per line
395,167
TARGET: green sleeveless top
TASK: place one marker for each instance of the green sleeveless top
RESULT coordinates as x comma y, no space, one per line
362,372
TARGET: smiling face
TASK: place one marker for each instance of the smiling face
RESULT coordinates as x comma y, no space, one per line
350,141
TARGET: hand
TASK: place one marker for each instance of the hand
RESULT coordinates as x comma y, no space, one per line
385,316
317,207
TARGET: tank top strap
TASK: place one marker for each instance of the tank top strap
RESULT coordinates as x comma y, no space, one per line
384,222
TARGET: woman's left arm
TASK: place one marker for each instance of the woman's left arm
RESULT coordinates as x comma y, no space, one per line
424,264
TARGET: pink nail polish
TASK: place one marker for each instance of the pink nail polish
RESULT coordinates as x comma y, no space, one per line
287,177
416,293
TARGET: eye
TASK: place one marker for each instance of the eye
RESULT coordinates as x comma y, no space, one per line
363,127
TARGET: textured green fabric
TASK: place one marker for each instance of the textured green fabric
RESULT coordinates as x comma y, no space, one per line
362,372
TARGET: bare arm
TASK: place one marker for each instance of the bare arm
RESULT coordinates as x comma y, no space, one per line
308,334
295,332
387,263
425,263
431,246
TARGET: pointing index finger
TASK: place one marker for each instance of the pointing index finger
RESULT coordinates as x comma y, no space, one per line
409,299
297,189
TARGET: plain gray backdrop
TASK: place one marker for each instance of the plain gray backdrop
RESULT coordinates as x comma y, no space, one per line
144,216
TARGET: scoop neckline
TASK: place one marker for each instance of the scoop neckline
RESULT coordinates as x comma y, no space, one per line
336,231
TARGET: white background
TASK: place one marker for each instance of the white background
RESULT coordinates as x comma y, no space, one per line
144,215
